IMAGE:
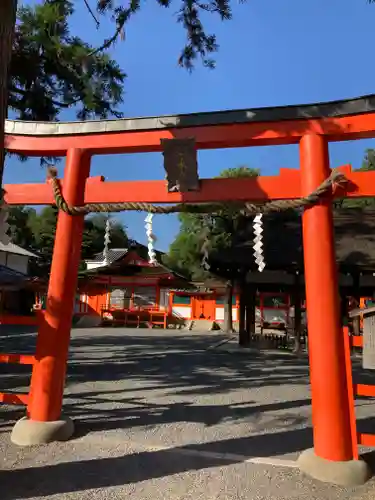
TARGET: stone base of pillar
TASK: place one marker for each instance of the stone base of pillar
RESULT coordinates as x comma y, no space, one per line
28,432
350,473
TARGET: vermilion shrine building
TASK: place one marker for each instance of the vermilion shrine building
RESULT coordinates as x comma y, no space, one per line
335,455
127,283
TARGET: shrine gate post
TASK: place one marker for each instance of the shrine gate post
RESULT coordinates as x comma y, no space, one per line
44,421
333,458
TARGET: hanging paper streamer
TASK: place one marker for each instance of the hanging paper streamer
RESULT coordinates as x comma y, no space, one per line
150,239
107,240
206,247
258,244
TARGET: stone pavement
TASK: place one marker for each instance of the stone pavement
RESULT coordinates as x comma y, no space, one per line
161,416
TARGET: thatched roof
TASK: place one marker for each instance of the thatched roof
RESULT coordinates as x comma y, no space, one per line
283,249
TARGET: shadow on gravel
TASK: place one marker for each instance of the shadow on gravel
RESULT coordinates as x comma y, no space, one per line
178,362
65,478
138,412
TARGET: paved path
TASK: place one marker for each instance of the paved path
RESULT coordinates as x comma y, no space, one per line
161,417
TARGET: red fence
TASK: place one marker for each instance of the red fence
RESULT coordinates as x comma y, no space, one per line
15,398
354,390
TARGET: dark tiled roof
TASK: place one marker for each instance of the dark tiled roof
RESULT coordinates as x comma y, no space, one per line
12,248
283,249
9,276
116,267
114,254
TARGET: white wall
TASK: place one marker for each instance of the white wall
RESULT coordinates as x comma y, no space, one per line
219,313
16,262
182,312
93,265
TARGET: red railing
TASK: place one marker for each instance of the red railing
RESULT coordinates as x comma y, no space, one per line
15,398
354,390
135,317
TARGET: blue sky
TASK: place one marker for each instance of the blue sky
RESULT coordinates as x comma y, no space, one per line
272,53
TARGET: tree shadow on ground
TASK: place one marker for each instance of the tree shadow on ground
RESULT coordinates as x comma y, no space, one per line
179,364
69,477
180,361
141,413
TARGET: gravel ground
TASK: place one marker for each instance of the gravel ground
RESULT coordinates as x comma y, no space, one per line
159,415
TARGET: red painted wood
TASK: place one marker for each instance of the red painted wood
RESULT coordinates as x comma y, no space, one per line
14,399
329,394
284,186
48,377
364,390
366,440
351,393
19,359
356,341
9,319
207,137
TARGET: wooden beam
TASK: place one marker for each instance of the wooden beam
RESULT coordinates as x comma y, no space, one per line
264,133
13,398
19,359
284,186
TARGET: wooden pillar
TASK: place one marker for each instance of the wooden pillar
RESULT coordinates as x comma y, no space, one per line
330,404
242,338
228,307
356,321
296,299
48,377
343,308
250,311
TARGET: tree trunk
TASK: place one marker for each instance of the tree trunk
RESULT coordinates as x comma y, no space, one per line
242,316
297,322
228,320
250,313
8,9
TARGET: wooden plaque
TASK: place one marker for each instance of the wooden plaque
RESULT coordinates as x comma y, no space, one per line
181,165
368,361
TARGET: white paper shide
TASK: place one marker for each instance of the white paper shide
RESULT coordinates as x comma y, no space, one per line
150,239
258,243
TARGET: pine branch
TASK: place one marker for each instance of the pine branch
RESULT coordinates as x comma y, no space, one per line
199,43
91,12
59,104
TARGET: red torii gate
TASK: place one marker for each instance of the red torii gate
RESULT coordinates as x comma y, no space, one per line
312,127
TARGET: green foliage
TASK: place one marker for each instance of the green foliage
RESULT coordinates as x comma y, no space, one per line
19,228
36,231
199,44
220,229
242,171
52,70
367,164
93,235
368,161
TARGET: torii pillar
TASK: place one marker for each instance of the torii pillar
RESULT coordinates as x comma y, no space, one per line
334,457
45,422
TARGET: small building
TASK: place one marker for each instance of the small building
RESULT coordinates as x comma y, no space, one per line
17,287
122,281
15,257
283,255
